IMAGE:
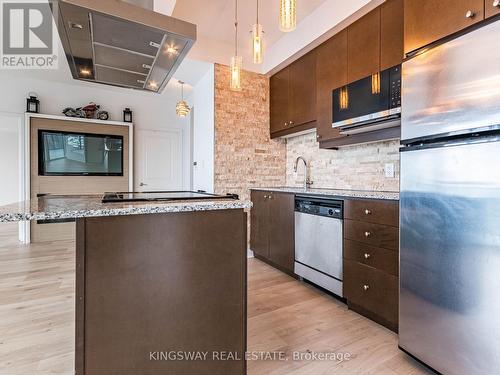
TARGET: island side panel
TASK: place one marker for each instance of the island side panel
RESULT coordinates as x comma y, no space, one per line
163,283
80,300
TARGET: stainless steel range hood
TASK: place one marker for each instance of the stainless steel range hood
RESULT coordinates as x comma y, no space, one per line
116,43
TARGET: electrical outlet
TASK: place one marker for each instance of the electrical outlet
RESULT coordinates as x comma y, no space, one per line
389,170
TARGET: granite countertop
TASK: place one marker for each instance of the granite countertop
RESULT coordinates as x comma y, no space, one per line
78,206
341,193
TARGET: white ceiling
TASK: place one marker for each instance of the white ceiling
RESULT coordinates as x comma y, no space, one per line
215,21
215,42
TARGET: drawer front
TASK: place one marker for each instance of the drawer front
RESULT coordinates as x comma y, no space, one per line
382,259
372,211
372,234
372,289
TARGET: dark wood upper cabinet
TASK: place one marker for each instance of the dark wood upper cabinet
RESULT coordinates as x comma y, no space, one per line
282,229
391,33
259,223
303,90
293,96
279,97
331,73
363,46
426,21
491,8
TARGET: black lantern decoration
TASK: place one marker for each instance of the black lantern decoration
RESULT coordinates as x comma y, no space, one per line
127,115
32,104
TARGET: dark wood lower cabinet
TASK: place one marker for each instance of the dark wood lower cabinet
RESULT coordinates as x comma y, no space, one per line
272,233
282,230
259,223
372,292
371,259
378,235
376,257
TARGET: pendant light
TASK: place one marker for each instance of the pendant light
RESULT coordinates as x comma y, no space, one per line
288,15
182,108
376,83
236,61
257,39
344,98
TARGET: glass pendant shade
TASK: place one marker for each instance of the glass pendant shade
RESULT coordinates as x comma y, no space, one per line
288,15
235,68
257,40
182,108
344,98
376,83
236,61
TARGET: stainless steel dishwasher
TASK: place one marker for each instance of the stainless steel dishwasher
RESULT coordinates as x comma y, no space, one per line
319,241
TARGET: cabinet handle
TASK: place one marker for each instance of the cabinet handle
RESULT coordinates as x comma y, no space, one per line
366,287
470,14
368,212
291,122
265,196
319,136
368,234
367,256
496,3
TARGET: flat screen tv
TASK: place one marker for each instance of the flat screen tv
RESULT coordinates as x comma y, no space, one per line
79,154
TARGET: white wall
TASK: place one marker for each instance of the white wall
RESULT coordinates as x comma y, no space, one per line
10,143
150,111
203,132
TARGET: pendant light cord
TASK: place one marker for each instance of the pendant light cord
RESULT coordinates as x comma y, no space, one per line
257,11
236,28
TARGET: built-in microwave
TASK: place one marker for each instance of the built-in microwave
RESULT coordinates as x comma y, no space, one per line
372,103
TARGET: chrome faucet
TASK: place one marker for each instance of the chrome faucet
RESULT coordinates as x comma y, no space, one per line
307,181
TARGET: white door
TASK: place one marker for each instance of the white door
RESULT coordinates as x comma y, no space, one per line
158,160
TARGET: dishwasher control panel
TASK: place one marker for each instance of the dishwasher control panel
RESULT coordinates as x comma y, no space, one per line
319,206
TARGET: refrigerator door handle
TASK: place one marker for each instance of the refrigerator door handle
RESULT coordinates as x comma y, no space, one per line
453,142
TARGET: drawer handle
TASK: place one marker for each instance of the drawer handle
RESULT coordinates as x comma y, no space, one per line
265,196
470,14
367,256
366,287
369,212
368,234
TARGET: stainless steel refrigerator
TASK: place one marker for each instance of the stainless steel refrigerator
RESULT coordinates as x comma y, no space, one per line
449,314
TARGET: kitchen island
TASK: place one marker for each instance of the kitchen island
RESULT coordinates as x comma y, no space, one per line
155,282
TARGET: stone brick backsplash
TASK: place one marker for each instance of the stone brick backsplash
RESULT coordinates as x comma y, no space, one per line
354,167
245,156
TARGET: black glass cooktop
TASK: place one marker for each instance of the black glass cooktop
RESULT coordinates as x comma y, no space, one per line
154,196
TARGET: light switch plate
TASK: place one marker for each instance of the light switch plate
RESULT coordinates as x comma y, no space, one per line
389,170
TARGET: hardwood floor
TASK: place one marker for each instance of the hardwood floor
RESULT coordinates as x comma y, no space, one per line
289,316
36,306
37,319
